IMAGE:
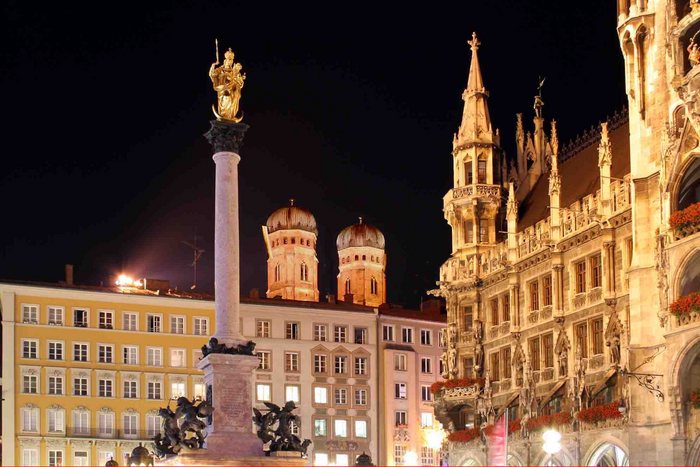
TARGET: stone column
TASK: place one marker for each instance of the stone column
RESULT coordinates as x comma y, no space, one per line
226,138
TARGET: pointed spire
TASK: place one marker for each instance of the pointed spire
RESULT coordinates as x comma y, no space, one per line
605,147
554,142
476,122
512,204
554,178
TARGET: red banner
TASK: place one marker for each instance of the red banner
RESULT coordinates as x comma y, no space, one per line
498,441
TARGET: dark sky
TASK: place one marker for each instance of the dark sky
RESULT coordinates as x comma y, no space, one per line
351,108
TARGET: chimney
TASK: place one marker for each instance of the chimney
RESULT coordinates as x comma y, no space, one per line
254,293
69,274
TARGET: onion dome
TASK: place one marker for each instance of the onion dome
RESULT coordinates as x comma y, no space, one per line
291,217
360,234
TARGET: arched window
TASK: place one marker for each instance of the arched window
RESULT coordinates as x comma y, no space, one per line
609,454
278,271
304,271
357,257
373,286
689,188
285,240
347,286
364,257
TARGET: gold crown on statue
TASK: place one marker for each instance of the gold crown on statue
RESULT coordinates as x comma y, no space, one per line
229,54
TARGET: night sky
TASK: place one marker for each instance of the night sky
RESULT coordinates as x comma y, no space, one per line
351,108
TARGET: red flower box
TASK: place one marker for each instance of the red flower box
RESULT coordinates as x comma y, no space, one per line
687,217
599,413
685,305
557,419
455,383
463,436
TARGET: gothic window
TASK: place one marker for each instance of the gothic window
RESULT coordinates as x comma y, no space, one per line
596,271
277,272
373,286
505,300
505,358
689,188
347,286
534,296
468,171
481,171
304,271
535,353
483,230
547,290
494,311
468,232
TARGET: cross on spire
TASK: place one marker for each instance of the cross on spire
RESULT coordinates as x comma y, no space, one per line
474,43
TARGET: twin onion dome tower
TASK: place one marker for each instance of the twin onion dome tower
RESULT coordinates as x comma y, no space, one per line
290,235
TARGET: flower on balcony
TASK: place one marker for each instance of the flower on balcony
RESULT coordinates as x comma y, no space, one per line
686,304
695,398
455,383
686,217
599,413
543,421
463,436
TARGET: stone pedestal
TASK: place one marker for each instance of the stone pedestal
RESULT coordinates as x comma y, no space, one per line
228,379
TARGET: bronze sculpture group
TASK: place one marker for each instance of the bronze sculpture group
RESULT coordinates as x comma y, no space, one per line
214,346
275,429
182,428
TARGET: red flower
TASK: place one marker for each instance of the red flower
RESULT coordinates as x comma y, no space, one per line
686,304
687,217
455,383
463,436
599,413
557,419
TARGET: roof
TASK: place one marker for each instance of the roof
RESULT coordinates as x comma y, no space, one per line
580,175
434,315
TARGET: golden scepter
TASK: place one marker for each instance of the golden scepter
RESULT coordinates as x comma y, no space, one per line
216,44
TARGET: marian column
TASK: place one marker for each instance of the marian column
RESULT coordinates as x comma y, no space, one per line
228,375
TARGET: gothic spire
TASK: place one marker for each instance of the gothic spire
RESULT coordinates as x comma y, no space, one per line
476,122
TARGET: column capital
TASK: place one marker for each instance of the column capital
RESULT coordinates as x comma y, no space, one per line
226,136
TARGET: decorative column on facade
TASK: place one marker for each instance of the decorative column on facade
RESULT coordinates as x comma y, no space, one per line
512,219
604,164
554,189
609,287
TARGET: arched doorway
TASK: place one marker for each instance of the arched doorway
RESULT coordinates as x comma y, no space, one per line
609,455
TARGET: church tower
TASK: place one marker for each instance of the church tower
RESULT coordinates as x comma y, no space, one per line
362,264
292,266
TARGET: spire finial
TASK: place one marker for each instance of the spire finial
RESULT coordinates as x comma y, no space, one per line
291,201
554,140
474,43
360,219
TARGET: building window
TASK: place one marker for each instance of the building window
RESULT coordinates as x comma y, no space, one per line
388,333
547,290
80,318
373,286
360,366
201,326
130,389
30,384
468,318
468,365
199,391
360,335
469,172
56,419
178,358
154,390
291,361
304,272
31,457
131,424
548,350
505,303
153,323
483,230
400,418
505,358
426,337
262,328
55,385
340,428
80,352
106,319
426,419
177,389
596,271
407,335
320,427
30,314
30,348
154,356
321,395
263,392
278,272
426,365
320,332
400,362
399,454
292,393
481,171
105,388
468,232
360,428
494,312
30,420
495,367
130,355
105,353
56,315
597,334
341,396
580,276
427,456
341,334
400,391
582,339
80,386
320,363
129,321
341,364
152,425
265,357
292,330
177,324
425,394
360,397
55,457
348,288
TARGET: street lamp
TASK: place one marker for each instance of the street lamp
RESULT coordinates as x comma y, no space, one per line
552,444
410,458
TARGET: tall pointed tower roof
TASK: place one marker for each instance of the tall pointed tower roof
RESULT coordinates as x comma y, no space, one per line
476,122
